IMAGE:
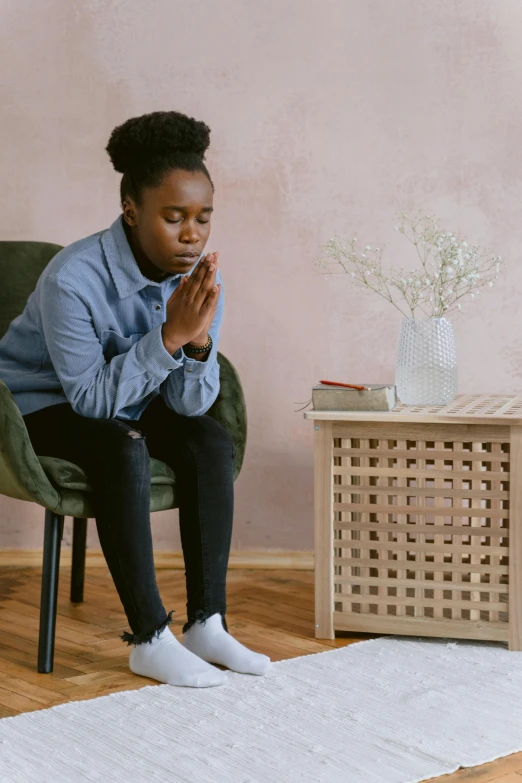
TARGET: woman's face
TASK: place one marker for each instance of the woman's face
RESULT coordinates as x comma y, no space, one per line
173,219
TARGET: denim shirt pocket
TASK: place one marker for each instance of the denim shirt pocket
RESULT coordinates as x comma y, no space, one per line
114,343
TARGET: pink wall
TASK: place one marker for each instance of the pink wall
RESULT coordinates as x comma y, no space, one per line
327,116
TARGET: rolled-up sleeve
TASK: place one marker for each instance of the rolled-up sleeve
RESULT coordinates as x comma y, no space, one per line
192,388
94,387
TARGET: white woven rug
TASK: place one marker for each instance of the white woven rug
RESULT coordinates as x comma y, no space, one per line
387,710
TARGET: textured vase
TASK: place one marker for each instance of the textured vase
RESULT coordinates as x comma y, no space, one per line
426,371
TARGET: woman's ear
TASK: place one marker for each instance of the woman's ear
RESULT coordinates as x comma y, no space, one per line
129,212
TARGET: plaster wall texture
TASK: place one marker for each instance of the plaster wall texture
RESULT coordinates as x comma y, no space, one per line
327,116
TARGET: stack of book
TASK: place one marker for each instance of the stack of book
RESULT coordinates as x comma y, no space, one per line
364,397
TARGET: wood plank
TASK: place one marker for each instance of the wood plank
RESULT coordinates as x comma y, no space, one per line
323,530
430,492
440,453
429,566
409,418
165,559
515,542
431,584
421,431
421,626
434,530
45,696
427,473
474,512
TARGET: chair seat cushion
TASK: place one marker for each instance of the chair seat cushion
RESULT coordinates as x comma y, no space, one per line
67,475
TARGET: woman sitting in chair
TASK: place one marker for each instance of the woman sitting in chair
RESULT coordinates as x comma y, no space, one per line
114,361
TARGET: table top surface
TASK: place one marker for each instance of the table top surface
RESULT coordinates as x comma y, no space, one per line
465,408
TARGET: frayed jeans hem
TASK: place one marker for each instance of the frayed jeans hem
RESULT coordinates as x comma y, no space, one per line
201,617
142,638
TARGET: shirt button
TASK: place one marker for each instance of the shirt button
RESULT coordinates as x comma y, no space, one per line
158,307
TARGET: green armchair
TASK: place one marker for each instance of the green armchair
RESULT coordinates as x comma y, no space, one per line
60,486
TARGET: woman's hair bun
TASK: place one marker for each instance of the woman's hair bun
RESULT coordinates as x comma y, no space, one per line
156,135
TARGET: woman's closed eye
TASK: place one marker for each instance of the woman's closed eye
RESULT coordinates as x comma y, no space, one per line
181,220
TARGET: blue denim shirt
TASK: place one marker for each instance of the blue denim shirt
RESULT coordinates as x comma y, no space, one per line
90,334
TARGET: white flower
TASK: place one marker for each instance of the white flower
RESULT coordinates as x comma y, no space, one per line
367,247
363,255
490,283
459,306
428,281
396,228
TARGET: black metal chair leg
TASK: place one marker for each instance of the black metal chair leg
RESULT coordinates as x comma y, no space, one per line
79,545
49,595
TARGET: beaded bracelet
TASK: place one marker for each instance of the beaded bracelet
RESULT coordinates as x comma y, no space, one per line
200,348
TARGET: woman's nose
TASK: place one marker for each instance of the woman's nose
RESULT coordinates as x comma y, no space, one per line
189,235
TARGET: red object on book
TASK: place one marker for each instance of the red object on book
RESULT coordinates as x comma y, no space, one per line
349,385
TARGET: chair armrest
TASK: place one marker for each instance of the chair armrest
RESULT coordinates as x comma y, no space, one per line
21,474
229,408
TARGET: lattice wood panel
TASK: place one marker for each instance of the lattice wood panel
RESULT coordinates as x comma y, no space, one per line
421,529
497,408
475,405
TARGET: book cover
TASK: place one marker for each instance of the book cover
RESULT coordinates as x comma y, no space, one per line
375,397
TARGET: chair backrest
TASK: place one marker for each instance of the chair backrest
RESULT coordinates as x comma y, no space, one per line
21,264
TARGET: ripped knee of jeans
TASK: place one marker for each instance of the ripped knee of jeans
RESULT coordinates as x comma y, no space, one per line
134,434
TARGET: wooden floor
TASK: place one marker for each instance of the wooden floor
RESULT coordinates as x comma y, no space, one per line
271,611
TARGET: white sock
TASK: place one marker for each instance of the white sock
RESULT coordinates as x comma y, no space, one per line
166,660
212,643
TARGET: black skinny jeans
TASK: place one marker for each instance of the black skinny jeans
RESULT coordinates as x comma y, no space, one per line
115,455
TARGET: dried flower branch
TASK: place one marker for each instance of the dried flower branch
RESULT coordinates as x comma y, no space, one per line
450,268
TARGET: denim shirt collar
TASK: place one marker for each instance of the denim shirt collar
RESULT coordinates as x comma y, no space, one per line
123,266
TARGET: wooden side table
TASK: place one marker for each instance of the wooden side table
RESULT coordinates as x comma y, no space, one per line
418,515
